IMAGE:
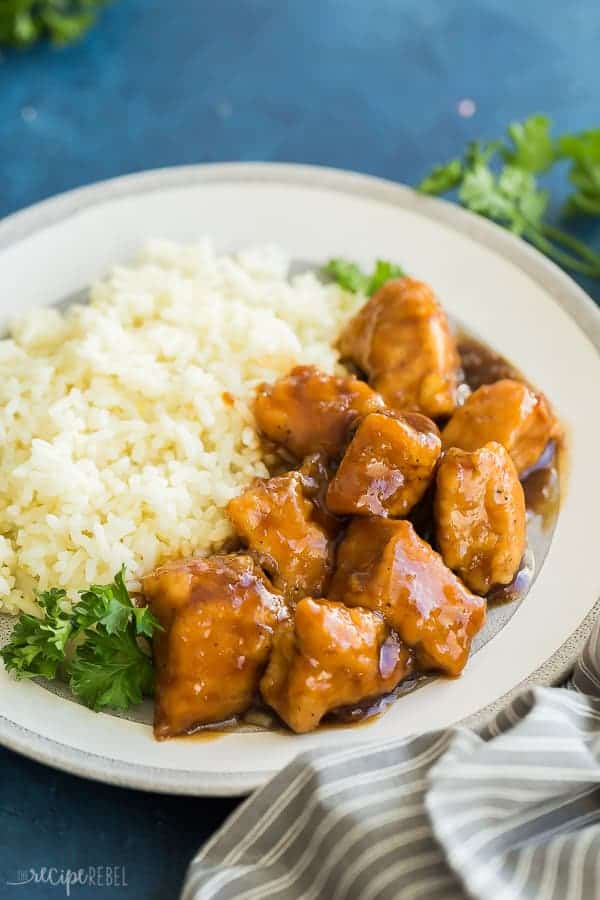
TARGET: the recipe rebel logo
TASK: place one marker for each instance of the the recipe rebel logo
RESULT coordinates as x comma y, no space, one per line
69,879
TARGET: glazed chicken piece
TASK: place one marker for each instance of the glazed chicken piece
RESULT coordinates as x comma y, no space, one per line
479,510
401,339
385,566
278,523
331,656
219,617
309,412
508,412
387,466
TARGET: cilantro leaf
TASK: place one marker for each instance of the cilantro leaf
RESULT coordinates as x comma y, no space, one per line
23,22
529,201
533,148
37,645
111,670
498,180
446,177
584,152
384,271
348,275
481,152
511,198
442,178
351,277
481,193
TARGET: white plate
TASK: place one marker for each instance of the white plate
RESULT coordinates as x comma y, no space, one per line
504,291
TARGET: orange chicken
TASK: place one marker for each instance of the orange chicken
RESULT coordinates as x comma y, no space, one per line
479,511
330,657
508,412
384,565
280,526
219,617
387,467
401,339
309,412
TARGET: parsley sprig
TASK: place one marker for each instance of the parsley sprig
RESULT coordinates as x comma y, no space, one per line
97,646
23,22
37,646
499,180
584,152
351,277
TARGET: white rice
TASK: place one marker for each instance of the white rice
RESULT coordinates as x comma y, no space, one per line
116,443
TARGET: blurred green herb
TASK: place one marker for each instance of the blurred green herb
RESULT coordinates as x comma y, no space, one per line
97,646
584,152
351,277
23,22
499,180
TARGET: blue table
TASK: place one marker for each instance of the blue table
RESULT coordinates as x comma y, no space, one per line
373,85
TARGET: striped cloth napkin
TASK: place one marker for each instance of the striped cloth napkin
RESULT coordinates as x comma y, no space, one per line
512,811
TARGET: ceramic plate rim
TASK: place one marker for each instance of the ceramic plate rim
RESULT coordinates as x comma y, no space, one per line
565,292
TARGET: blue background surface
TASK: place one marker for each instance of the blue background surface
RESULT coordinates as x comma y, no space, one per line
372,85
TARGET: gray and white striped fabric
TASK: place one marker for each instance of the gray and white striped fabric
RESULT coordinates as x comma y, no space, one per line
510,812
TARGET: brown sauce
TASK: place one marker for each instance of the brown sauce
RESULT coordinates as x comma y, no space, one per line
207,733
481,364
363,713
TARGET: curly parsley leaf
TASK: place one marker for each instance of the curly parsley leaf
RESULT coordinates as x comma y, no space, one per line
145,623
23,22
110,605
99,646
111,670
351,277
109,667
37,645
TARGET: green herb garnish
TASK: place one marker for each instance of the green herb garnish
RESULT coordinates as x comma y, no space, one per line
96,646
111,670
37,646
499,180
583,150
351,277
23,22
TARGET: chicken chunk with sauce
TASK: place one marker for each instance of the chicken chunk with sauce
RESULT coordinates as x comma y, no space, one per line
279,524
384,565
331,656
401,339
310,412
479,511
508,412
387,466
219,617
